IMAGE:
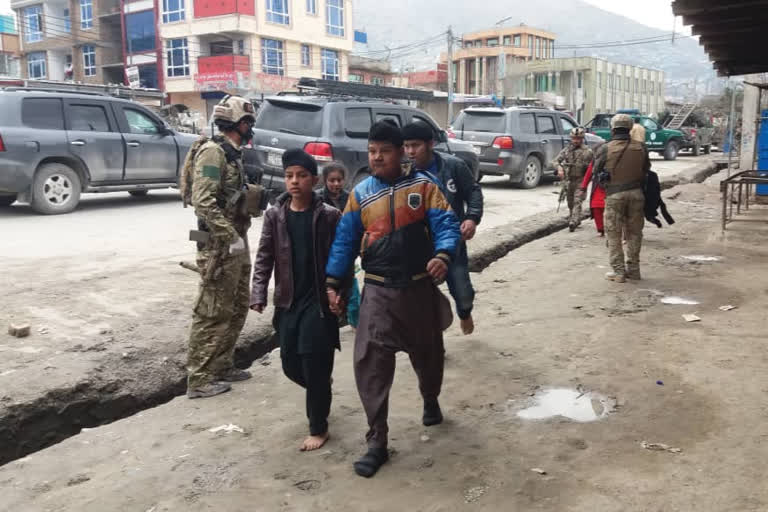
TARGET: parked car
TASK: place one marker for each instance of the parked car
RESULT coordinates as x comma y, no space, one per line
698,140
519,142
329,129
658,139
56,145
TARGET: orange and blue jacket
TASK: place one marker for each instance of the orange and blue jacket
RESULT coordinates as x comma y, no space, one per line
396,228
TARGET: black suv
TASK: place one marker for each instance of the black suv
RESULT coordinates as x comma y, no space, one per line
520,142
332,128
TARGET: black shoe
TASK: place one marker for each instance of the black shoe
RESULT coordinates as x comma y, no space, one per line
432,413
209,390
572,227
234,375
369,464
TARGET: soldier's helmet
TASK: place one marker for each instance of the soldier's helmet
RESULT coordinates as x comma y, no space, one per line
233,109
578,132
622,121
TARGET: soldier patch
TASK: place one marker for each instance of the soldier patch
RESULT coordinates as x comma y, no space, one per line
414,201
211,171
451,186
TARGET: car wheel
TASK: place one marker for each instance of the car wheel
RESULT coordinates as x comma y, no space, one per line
670,152
55,189
7,200
531,173
139,193
359,178
696,150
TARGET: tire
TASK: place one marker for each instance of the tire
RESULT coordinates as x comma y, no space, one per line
670,152
707,149
531,173
55,189
139,193
7,200
696,151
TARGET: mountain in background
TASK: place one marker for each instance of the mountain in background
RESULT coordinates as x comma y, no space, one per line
399,22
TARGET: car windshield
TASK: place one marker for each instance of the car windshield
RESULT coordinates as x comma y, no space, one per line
493,122
290,117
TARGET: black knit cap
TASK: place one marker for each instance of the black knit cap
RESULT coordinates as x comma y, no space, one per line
301,158
386,131
418,131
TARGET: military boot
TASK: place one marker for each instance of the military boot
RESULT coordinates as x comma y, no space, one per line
633,272
234,375
208,390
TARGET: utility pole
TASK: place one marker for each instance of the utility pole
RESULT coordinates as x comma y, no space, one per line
450,75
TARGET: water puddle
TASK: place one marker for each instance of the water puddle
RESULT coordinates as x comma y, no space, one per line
575,405
700,257
678,301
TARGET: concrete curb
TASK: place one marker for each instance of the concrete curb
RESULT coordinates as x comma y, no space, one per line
496,243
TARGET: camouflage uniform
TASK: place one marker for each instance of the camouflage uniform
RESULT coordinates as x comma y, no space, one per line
575,160
222,304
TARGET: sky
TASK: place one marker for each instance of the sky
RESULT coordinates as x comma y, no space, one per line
653,13
5,7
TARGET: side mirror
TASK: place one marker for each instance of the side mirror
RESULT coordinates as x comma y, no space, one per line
442,136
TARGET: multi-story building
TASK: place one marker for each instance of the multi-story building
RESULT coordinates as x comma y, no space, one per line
364,70
587,86
77,40
249,47
480,63
9,49
141,45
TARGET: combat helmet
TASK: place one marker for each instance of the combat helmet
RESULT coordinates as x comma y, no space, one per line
578,132
233,109
622,121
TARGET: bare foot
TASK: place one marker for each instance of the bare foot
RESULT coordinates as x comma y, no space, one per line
314,442
467,325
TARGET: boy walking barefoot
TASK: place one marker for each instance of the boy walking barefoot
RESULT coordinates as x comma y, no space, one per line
295,241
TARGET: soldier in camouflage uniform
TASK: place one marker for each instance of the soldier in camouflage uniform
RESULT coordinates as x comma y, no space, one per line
218,196
571,165
622,165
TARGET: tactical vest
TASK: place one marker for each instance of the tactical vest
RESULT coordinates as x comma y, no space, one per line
625,161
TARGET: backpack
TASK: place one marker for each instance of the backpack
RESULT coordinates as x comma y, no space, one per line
653,200
188,171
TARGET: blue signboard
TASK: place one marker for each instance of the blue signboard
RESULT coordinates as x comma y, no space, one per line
361,37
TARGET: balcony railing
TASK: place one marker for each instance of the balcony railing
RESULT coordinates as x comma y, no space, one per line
223,64
208,8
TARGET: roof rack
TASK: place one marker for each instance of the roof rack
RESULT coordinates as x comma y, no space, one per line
353,90
15,88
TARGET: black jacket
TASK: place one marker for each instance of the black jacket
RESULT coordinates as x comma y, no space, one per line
460,187
339,204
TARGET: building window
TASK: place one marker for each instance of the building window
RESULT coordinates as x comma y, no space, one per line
507,41
335,15
377,80
492,42
86,14
33,24
89,60
241,46
530,46
36,65
272,57
517,41
580,80
67,21
355,78
277,12
637,85
306,55
148,76
177,55
599,79
173,10
330,64
311,6
628,84
140,31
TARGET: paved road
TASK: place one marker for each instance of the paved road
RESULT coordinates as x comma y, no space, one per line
119,230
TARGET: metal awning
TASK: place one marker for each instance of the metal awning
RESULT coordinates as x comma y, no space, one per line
733,33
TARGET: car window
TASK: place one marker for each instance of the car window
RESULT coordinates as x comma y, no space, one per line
290,117
491,122
568,125
43,113
546,125
140,123
381,116
601,122
527,123
87,118
649,124
357,122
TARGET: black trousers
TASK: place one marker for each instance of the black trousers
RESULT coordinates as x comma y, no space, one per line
313,373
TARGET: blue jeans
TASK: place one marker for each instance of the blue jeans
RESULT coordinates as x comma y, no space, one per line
459,283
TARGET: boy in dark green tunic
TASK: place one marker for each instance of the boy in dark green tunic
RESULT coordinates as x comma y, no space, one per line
295,241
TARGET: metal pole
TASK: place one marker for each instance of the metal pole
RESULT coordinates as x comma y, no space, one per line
450,76
731,125
758,122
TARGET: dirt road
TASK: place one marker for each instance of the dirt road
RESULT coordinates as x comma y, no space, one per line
547,319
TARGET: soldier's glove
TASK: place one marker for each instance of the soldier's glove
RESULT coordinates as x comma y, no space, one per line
237,246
